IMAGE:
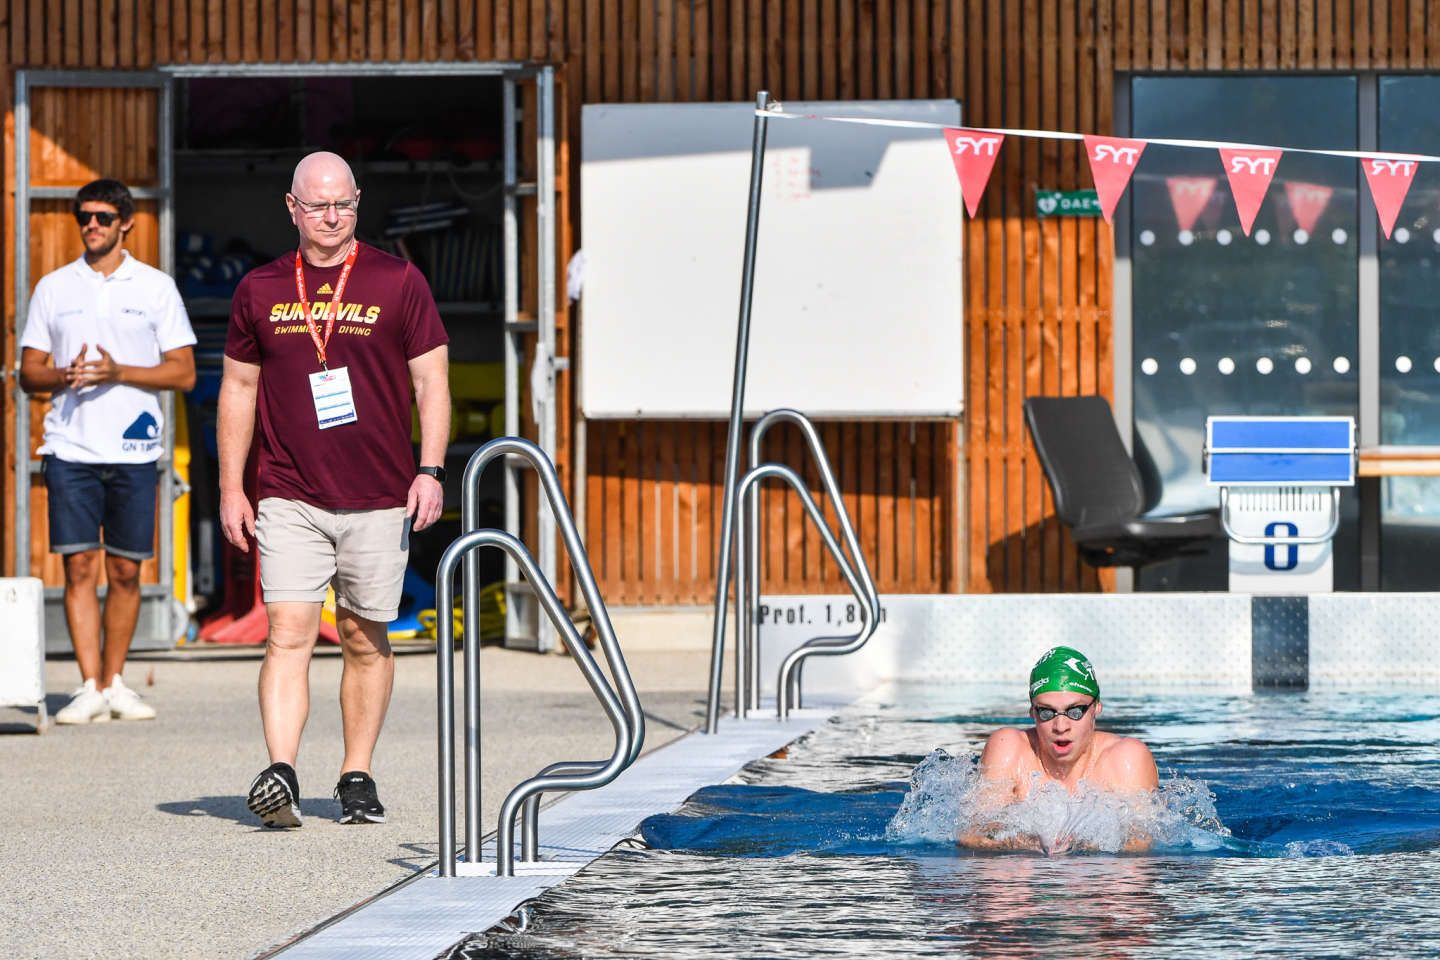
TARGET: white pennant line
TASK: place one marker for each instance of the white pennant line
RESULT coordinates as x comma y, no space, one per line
1060,135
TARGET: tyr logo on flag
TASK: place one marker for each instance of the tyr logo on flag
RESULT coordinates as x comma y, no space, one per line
1112,164
1250,173
974,153
1188,197
1307,202
1389,182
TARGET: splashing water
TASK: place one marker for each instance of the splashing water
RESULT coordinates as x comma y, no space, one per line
945,800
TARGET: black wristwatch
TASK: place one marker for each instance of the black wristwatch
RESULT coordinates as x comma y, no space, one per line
437,472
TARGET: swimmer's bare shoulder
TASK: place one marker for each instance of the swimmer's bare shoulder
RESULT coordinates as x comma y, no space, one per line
1125,765
1007,756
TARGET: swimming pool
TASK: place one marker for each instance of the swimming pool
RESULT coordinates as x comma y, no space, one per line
1293,823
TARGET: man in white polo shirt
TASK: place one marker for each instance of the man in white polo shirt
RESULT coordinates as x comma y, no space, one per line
104,335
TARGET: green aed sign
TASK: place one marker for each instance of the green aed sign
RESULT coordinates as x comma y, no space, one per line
1067,203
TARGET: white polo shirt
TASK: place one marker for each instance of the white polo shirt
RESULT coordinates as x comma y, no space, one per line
136,314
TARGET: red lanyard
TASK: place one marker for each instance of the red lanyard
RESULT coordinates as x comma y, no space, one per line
330,308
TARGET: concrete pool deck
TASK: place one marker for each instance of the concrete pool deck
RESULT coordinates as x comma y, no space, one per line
133,840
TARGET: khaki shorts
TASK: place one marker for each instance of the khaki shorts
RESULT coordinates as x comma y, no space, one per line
304,549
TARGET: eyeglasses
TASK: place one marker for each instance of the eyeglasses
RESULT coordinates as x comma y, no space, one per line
104,218
343,208
1046,714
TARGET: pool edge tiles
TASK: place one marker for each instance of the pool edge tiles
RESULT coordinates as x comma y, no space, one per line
420,919
1368,640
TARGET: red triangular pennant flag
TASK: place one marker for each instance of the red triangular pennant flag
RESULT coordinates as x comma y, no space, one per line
1112,164
1188,196
974,153
1250,172
1389,182
1307,202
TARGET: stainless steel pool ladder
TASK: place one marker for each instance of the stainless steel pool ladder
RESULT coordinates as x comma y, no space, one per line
620,702
747,578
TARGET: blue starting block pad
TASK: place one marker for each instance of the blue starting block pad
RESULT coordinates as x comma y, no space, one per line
1280,451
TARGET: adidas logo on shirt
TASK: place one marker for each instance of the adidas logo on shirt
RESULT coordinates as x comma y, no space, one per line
324,289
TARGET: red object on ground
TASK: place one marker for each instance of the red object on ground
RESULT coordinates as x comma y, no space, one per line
252,626
241,619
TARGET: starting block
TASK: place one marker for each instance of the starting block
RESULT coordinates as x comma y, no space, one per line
1280,480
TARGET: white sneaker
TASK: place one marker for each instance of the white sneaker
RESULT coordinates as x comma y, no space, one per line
87,705
125,704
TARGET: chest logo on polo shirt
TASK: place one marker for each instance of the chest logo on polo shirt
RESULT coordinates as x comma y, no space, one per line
143,434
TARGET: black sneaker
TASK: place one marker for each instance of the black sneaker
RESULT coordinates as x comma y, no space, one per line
358,801
275,796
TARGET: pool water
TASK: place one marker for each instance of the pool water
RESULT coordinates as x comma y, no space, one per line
1295,824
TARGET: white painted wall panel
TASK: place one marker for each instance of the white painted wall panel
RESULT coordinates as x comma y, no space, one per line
857,308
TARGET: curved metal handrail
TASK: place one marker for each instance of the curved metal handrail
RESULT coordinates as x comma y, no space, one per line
860,586
742,673
789,681
445,633
630,739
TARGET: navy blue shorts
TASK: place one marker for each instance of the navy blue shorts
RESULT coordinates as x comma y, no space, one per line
88,497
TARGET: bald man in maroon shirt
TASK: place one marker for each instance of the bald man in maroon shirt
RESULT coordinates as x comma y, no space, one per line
325,346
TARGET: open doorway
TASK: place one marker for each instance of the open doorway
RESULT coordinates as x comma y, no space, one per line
428,156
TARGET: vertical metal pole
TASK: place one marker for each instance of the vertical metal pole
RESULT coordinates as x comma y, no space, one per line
445,716
1367,359
545,271
469,521
165,178
1122,336
737,409
166,162
545,356
743,547
510,233
22,307
749,558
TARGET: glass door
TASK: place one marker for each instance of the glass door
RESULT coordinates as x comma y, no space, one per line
1225,323
1409,353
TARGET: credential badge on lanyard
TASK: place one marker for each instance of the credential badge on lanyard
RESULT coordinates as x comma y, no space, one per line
330,389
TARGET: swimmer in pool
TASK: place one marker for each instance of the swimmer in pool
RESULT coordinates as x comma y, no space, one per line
1062,747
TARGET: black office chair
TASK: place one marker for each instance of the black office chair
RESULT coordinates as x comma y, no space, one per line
1098,490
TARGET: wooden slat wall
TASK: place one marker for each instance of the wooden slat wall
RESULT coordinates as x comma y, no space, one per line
1038,312
660,481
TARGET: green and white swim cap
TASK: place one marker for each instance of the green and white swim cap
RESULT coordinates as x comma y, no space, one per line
1063,669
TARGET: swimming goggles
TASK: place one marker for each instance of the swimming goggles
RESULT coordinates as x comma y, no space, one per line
1046,714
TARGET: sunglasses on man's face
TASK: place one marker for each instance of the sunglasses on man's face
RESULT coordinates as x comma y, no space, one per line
104,218
1046,714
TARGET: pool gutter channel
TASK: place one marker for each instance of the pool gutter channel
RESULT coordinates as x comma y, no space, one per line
425,915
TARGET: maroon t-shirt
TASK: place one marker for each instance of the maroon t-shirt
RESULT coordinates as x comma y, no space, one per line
387,318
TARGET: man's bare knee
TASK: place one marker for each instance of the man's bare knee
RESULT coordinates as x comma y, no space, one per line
294,627
361,639
82,569
122,573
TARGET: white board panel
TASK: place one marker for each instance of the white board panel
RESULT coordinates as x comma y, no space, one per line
857,309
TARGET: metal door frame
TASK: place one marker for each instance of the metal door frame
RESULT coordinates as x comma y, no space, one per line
166,622
531,630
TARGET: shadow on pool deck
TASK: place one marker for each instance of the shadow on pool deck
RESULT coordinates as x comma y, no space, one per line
136,835
233,808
